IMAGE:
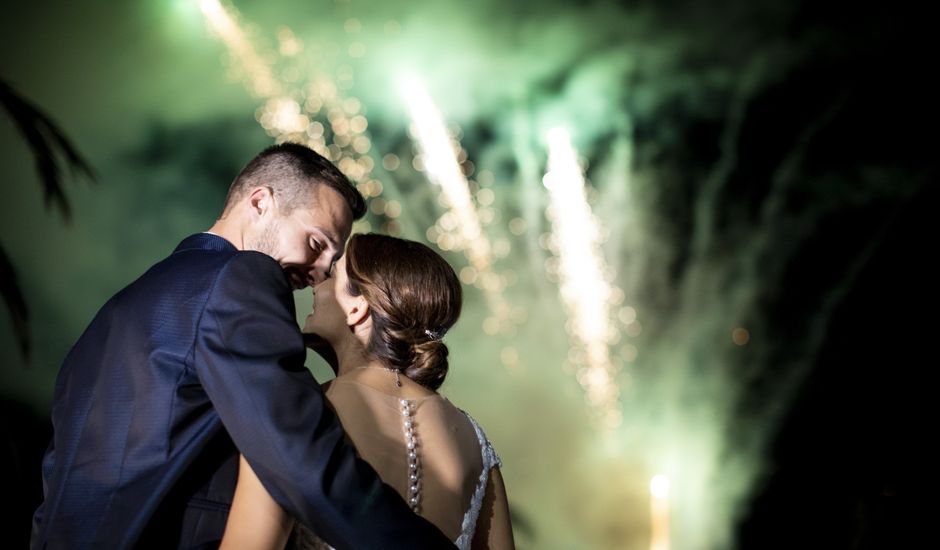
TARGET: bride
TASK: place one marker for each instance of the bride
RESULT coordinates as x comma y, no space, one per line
384,309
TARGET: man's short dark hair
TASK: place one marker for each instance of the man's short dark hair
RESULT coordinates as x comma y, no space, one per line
293,171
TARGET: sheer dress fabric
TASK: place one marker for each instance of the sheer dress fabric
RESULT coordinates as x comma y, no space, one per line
454,454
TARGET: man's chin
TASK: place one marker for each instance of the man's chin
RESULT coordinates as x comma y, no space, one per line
296,281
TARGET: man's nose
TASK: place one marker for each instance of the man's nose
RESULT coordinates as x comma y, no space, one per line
317,275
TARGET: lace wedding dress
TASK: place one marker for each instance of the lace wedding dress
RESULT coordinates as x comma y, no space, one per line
429,430
490,459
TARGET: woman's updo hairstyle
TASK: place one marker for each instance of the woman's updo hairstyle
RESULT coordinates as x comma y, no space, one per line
414,297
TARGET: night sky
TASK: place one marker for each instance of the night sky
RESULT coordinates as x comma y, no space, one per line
764,177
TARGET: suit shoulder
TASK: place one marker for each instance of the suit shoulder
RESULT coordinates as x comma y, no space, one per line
257,265
219,261
248,272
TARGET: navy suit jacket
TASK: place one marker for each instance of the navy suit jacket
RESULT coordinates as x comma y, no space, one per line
198,359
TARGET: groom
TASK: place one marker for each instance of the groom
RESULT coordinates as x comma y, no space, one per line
200,359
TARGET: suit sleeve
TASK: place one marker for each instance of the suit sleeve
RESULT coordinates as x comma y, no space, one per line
249,356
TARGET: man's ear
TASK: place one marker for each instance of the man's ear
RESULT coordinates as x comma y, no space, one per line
261,202
357,312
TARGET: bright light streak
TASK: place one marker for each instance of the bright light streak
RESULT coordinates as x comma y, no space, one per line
212,8
659,513
255,70
659,486
440,163
461,224
584,289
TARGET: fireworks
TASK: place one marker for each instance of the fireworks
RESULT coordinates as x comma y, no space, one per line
575,242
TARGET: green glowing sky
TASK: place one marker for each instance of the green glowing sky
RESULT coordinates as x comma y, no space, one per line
753,167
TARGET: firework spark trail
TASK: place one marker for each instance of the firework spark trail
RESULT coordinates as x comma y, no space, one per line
256,71
288,115
584,289
438,152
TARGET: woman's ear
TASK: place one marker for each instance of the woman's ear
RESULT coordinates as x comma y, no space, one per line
357,312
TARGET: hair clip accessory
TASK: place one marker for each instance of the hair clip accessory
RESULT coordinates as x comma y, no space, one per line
435,334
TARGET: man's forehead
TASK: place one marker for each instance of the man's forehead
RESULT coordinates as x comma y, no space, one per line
331,203
331,213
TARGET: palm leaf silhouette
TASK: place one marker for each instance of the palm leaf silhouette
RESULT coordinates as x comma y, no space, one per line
50,150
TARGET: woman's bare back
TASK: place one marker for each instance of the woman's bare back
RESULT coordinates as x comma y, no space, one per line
368,402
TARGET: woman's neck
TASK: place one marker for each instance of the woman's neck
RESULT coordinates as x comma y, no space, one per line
351,355
354,363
